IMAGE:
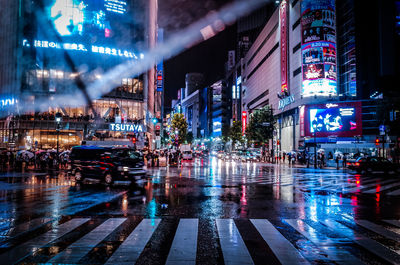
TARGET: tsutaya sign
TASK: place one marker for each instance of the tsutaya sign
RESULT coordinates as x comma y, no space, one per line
285,102
121,127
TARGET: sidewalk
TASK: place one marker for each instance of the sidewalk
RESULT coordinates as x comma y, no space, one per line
329,165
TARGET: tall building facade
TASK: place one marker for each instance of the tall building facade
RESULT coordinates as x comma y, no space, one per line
59,48
313,65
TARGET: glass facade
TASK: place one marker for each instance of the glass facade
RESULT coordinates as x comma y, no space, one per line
346,48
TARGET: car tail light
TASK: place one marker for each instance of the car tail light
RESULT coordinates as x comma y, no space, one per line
348,163
357,164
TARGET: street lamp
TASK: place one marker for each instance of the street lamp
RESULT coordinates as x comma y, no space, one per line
315,145
58,121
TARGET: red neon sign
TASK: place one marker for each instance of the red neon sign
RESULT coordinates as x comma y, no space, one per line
244,122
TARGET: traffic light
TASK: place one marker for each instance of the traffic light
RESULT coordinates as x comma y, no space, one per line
155,120
377,141
133,140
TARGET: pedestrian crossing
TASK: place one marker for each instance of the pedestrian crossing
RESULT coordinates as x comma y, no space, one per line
289,240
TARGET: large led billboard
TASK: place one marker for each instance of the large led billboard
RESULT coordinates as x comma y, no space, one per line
318,48
333,119
87,27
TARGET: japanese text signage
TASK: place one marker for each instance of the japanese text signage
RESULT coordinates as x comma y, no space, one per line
283,14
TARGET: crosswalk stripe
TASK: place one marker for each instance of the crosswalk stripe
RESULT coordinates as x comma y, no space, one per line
285,252
382,188
77,250
338,255
32,245
379,229
184,246
394,193
129,251
32,224
393,222
363,241
233,248
367,186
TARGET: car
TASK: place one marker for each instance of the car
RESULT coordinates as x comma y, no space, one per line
370,164
109,165
187,155
220,154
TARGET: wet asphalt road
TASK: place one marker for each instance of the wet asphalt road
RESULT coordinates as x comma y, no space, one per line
205,212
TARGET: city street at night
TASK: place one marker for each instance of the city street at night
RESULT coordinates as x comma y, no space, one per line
204,212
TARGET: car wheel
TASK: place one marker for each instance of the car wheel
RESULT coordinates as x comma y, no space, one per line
108,179
358,171
78,176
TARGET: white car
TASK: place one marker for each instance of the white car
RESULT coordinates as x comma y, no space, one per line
187,155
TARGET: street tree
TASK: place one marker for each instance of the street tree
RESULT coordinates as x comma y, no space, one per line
261,124
179,127
235,133
225,133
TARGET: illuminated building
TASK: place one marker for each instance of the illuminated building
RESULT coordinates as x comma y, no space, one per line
312,55
56,46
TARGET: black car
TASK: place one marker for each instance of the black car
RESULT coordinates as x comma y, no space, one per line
370,164
106,164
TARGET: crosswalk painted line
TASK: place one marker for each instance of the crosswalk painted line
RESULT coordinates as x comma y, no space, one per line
24,227
129,251
31,246
393,222
361,187
233,248
334,253
379,230
78,249
363,241
394,193
184,247
382,188
285,252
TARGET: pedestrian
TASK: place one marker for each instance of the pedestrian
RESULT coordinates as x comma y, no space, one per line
344,161
322,160
290,158
337,162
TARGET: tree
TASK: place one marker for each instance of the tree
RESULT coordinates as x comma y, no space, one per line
179,125
189,137
235,133
260,127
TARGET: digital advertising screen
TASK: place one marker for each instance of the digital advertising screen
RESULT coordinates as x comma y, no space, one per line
88,27
318,48
333,119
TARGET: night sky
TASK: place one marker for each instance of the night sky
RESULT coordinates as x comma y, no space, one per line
208,57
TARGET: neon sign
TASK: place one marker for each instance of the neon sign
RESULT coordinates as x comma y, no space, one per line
115,6
80,47
119,127
4,102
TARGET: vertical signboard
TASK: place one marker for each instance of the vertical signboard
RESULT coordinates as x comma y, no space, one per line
318,24
283,14
160,68
244,122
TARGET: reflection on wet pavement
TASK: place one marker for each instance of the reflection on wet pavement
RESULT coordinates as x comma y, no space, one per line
322,216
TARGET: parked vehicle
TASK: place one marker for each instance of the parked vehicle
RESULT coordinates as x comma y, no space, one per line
370,164
106,164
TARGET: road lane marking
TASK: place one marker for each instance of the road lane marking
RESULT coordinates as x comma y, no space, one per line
382,188
380,230
77,250
233,247
184,246
285,252
130,250
31,246
394,193
327,245
363,241
367,186
393,222
28,226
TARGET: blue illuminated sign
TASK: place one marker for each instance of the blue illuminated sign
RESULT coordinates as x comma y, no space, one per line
120,127
5,102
